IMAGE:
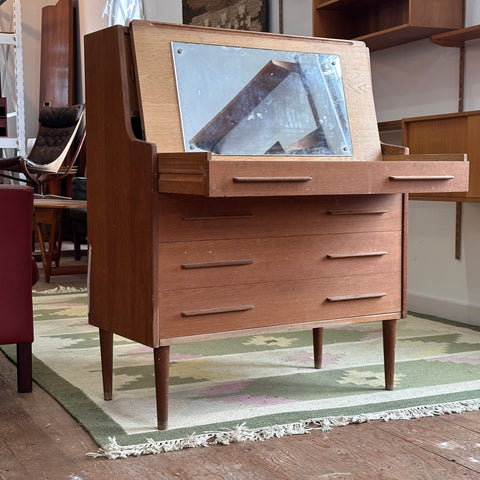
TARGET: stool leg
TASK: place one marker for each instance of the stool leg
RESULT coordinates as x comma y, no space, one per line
106,354
389,336
317,347
161,357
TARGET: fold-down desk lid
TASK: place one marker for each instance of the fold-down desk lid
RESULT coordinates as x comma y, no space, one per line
242,114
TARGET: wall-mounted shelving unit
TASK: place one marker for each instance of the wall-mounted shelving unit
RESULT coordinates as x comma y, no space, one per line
385,23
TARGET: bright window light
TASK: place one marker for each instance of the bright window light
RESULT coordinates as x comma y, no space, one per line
123,11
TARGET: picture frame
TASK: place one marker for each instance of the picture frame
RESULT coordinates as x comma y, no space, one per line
231,14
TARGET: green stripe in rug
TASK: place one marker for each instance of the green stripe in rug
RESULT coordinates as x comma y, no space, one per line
250,387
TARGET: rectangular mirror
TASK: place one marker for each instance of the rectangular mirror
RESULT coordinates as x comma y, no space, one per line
248,101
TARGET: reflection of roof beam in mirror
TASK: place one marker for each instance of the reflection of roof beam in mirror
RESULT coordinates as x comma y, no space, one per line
271,75
312,141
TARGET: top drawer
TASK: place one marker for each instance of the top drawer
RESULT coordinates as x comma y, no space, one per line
183,218
200,174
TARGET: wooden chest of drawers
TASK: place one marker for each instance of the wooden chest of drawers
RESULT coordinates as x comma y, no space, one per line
259,263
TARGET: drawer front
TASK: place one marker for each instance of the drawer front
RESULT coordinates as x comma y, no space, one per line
183,218
221,309
210,263
412,174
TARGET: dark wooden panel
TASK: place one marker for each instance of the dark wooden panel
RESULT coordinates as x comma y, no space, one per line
57,69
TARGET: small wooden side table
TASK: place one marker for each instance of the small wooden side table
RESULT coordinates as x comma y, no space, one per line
49,211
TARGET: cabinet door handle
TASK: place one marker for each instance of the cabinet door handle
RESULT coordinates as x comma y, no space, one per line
357,254
210,311
358,296
421,177
270,179
226,263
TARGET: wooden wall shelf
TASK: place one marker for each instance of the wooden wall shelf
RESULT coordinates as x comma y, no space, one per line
390,126
384,23
456,38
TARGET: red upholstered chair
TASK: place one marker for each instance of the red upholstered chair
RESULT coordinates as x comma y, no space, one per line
18,272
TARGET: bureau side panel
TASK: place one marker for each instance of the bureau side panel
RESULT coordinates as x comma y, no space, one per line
121,203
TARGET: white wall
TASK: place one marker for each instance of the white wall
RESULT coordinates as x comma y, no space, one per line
167,11
297,16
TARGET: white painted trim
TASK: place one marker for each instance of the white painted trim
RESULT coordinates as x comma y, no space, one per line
444,308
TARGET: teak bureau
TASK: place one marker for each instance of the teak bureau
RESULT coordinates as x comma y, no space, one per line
190,243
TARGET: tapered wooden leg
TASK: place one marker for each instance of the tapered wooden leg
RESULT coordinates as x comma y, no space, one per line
317,347
24,367
59,240
161,357
106,353
389,337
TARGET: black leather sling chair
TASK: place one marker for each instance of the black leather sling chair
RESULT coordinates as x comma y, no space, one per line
51,151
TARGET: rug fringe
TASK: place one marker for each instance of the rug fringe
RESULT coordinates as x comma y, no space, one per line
59,289
241,433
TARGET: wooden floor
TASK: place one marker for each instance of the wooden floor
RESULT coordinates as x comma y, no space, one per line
39,440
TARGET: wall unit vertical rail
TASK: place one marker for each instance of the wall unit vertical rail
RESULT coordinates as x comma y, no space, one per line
12,43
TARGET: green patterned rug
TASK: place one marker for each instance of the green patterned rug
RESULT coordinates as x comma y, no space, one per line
249,388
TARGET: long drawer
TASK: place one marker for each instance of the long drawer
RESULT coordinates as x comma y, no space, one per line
183,218
248,176
209,263
218,309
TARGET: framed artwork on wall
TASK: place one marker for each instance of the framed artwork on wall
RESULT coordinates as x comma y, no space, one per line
233,14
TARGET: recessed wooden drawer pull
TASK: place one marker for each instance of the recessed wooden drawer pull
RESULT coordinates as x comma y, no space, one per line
270,179
357,254
421,177
227,263
356,212
210,311
359,296
217,217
